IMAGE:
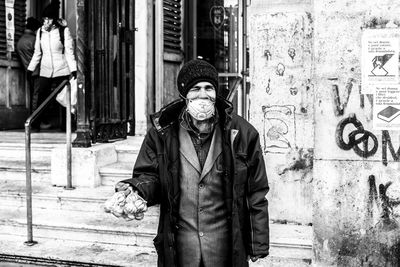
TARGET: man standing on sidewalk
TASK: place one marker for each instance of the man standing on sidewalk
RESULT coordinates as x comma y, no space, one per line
205,167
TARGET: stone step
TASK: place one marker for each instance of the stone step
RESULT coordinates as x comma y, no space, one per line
272,261
56,252
292,242
113,173
12,169
46,196
98,227
48,137
16,151
51,251
128,150
12,154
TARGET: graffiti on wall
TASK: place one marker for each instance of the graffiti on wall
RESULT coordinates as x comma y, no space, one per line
380,246
292,53
379,243
358,139
279,128
280,69
299,160
268,88
339,104
363,142
267,55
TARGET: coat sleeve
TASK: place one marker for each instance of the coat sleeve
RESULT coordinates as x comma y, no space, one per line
69,50
257,200
37,54
145,176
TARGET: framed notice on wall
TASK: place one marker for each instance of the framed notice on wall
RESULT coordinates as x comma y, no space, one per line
379,58
386,109
10,28
380,75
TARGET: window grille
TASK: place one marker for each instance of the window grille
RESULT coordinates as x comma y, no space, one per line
172,25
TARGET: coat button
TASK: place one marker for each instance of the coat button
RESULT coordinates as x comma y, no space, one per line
201,234
200,209
201,186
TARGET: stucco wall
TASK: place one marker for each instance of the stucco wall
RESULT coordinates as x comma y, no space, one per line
352,200
348,227
281,102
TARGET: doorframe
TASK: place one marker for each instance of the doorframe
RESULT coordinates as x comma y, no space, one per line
158,53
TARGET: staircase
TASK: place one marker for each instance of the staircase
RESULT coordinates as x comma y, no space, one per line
73,230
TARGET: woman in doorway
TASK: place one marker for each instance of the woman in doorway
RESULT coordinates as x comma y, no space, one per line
54,51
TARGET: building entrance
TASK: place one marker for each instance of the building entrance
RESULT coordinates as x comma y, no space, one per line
217,33
111,40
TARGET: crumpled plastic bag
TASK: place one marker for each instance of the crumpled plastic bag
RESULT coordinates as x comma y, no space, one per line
62,96
126,204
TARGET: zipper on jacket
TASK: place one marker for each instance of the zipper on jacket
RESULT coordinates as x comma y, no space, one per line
251,219
51,54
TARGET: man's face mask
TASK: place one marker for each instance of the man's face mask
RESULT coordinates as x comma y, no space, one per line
200,101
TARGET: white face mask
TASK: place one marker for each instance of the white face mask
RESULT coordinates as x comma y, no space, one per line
201,108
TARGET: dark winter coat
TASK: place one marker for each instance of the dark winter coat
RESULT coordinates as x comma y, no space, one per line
156,177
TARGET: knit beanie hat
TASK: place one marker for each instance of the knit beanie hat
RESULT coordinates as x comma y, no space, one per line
33,24
196,71
51,11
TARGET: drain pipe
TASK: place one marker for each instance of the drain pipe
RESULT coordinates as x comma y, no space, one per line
245,72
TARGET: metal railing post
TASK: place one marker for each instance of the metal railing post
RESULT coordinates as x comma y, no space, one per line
30,241
68,133
28,163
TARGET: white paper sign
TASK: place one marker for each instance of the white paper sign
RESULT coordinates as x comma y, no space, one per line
379,59
386,108
10,28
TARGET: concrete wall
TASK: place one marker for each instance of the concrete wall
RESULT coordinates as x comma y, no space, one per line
300,52
348,227
281,102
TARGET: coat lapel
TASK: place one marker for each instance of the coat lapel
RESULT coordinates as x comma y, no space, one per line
187,149
213,153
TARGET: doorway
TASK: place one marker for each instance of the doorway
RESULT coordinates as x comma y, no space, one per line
215,32
111,39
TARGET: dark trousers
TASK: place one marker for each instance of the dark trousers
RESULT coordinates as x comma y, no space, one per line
44,88
34,92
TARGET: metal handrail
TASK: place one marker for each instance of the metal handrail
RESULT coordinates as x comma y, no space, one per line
28,163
